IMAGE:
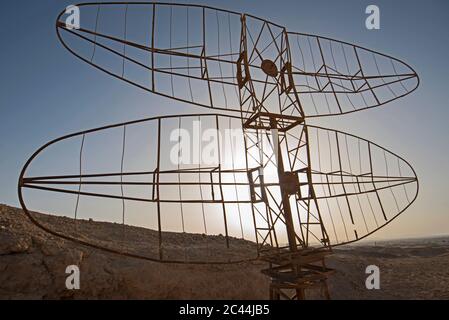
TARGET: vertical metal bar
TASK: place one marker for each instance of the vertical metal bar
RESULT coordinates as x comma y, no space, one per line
95,34
285,197
124,42
219,183
292,169
291,79
363,76
81,179
204,53
152,48
121,174
179,176
159,224
327,74
252,204
372,181
312,189
341,178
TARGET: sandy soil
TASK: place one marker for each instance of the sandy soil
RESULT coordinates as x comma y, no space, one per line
33,263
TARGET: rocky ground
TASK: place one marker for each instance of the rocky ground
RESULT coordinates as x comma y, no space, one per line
33,264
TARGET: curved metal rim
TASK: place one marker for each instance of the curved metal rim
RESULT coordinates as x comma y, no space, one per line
85,243
392,153
38,224
418,80
242,112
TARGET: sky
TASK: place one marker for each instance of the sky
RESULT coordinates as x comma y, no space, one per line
46,93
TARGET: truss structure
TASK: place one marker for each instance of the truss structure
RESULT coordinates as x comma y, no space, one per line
293,189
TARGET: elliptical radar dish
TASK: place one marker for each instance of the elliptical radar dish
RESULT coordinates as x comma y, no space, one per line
276,189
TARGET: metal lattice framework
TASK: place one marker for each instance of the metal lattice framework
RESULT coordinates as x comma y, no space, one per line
295,190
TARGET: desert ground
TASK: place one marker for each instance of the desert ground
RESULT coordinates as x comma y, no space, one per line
33,263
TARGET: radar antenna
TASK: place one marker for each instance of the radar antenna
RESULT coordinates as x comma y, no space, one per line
293,190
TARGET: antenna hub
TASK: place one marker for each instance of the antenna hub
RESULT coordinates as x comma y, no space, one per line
269,67
290,182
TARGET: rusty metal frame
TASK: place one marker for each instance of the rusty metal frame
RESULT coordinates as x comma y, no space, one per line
272,103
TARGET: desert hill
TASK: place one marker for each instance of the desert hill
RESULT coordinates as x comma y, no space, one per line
33,263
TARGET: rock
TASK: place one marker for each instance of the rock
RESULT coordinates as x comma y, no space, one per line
12,243
33,265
